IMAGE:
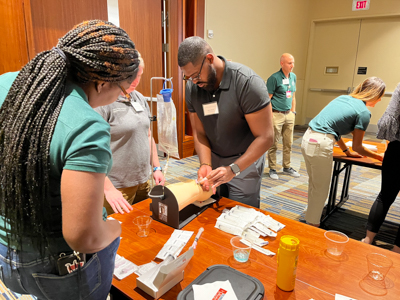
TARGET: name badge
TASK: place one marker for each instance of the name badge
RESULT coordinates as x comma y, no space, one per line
137,106
285,81
288,94
210,109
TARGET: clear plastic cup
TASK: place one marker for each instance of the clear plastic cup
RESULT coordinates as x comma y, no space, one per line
378,266
241,251
143,224
335,242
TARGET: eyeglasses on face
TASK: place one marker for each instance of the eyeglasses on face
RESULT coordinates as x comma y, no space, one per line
198,75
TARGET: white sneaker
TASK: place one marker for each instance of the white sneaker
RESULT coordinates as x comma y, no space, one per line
290,171
273,174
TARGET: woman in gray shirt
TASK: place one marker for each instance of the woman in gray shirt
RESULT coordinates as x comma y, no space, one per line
388,129
129,119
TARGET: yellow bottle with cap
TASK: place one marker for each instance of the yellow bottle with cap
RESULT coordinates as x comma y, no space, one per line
288,254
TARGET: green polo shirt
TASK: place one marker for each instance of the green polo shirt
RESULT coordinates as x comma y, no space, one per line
279,89
341,116
81,142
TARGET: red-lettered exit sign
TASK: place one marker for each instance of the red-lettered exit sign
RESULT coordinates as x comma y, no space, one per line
361,5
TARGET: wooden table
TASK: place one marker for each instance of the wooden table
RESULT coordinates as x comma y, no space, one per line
318,276
340,158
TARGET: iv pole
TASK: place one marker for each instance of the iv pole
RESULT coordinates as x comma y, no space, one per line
151,124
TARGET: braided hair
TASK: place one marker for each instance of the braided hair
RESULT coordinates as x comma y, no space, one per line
92,51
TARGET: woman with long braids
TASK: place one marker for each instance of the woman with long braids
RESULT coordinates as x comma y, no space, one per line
54,154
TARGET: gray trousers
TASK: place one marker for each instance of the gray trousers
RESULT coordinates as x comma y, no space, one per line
244,188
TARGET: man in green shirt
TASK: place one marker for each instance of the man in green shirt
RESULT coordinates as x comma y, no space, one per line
281,88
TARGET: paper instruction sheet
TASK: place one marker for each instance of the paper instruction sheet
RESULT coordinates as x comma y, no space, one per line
175,243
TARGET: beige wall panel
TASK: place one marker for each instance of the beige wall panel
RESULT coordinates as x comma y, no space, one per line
257,32
334,44
299,98
336,10
379,51
328,9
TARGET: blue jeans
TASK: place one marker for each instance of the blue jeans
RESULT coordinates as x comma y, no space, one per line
40,277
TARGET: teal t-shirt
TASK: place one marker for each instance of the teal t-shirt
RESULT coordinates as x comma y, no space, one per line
81,142
278,85
341,116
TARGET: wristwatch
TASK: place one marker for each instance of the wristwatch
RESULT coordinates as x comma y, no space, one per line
235,169
157,169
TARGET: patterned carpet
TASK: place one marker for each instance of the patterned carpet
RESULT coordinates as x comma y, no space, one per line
288,197
6,294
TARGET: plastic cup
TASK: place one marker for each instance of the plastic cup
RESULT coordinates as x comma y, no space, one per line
143,223
378,266
241,252
335,241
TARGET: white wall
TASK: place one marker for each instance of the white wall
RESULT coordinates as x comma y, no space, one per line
328,9
325,10
257,32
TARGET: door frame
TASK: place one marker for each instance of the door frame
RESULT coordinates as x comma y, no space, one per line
176,34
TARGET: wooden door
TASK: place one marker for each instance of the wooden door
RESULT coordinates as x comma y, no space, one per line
351,44
142,21
194,26
335,45
48,20
32,26
378,50
13,43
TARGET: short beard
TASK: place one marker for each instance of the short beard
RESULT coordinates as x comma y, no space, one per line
211,80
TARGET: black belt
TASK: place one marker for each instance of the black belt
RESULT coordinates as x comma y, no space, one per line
285,112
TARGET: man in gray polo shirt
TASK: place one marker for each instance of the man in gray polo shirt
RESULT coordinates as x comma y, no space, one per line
282,87
231,119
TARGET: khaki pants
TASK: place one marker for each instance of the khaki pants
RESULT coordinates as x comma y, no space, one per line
318,156
283,126
133,194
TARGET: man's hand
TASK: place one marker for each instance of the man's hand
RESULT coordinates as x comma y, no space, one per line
202,173
117,201
220,175
158,177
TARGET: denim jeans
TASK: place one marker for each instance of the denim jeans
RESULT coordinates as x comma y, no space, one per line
40,277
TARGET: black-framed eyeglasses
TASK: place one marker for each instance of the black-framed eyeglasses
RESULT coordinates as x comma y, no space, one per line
198,75
127,96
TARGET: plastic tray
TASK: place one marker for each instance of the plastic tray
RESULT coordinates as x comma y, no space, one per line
245,286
